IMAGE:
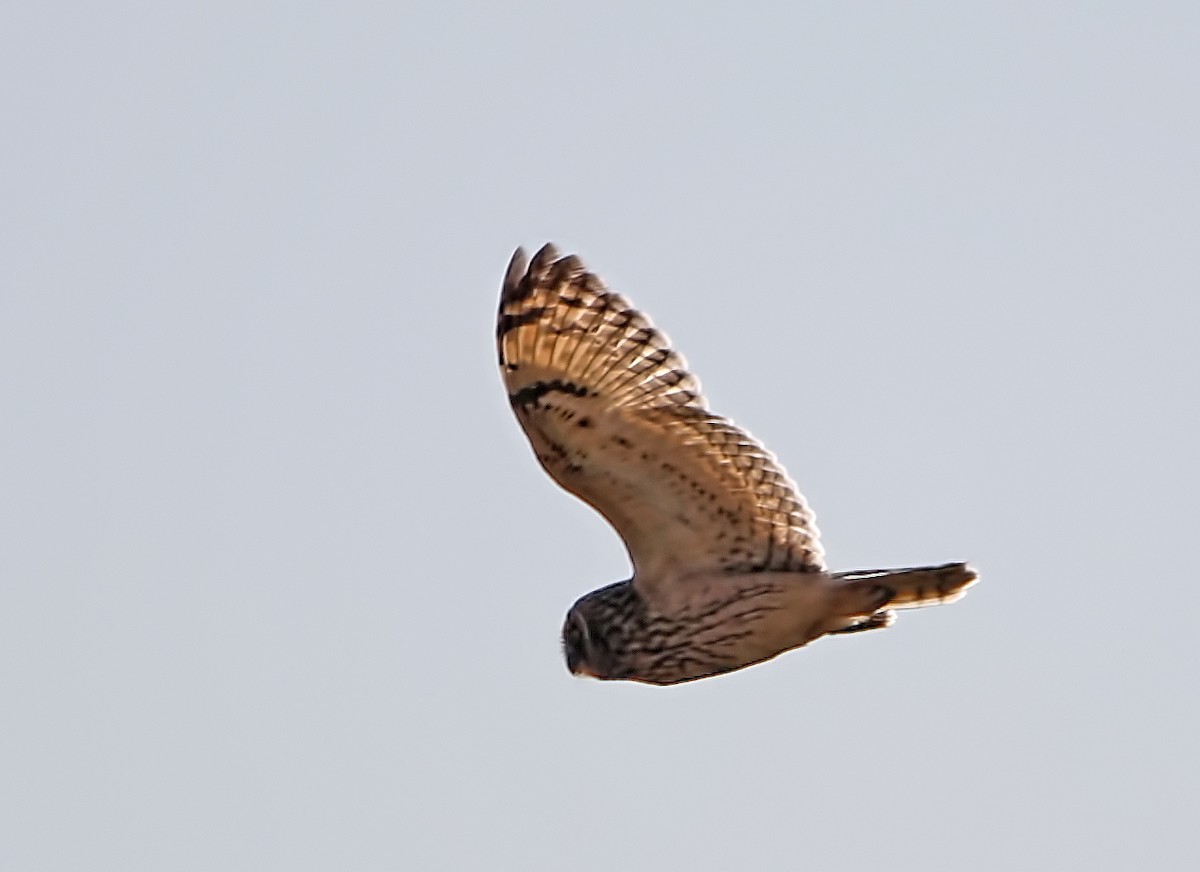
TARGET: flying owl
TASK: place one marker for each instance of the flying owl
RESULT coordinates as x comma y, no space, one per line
727,567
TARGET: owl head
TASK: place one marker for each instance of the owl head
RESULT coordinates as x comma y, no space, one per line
595,630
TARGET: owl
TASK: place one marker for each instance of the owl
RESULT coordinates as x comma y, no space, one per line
728,569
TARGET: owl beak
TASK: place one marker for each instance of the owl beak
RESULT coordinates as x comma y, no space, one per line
579,668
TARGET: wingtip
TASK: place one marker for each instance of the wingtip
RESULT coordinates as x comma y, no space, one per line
517,268
545,256
546,265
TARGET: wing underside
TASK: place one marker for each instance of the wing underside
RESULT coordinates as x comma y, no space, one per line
615,418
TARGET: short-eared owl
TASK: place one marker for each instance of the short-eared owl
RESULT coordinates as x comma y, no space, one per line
728,570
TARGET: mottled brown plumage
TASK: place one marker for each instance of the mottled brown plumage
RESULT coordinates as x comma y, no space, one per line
728,570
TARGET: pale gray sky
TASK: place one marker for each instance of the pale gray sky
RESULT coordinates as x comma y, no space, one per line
281,583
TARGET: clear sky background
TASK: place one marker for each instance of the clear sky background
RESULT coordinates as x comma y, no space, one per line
281,582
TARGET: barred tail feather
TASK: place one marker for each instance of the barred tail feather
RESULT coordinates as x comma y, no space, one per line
867,591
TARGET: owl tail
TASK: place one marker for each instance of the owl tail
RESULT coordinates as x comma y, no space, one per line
865,594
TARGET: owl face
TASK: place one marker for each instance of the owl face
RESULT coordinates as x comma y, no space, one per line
584,648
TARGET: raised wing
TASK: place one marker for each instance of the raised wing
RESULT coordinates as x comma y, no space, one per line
616,419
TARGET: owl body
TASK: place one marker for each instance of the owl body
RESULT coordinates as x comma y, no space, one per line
731,621
725,624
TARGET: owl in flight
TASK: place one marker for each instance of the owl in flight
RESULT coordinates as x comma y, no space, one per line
727,568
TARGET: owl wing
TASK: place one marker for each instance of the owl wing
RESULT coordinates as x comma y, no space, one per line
615,417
